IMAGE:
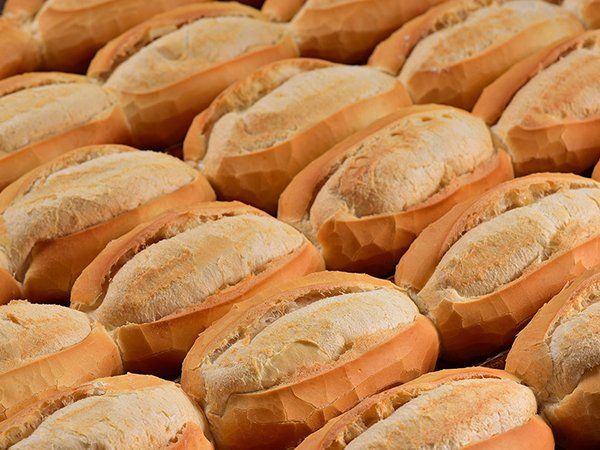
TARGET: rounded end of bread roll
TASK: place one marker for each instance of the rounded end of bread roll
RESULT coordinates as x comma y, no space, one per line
305,351
49,347
483,409
19,50
10,288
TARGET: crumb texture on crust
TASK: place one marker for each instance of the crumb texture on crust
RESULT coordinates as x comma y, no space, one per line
149,418
29,332
474,410
191,49
567,91
76,196
503,248
32,115
302,337
467,34
302,101
402,165
191,264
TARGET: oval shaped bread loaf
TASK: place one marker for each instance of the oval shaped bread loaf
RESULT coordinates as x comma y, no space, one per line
475,408
485,268
545,112
48,347
587,10
343,30
305,351
558,356
169,68
125,412
451,53
160,285
43,115
58,217
364,201
264,129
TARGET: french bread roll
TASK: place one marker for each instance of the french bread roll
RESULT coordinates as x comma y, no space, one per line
264,129
55,219
451,53
485,268
65,34
281,364
49,347
156,288
545,110
169,68
127,412
558,356
472,408
363,202
43,115
343,30
587,10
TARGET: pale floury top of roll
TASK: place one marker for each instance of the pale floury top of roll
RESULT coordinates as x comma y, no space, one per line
28,332
84,189
192,48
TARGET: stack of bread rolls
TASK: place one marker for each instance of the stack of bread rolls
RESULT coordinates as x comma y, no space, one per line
312,224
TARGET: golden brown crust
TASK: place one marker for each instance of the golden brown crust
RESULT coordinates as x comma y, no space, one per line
344,31
55,264
161,345
337,433
94,357
567,145
375,243
191,438
18,49
303,404
484,324
145,107
567,401
258,177
459,83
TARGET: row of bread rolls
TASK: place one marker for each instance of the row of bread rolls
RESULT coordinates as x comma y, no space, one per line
146,85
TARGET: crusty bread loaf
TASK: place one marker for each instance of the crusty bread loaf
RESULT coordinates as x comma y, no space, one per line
65,34
486,267
587,10
364,201
558,356
451,53
473,408
343,30
545,111
43,115
160,285
48,347
18,49
58,217
264,129
125,412
305,351
169,68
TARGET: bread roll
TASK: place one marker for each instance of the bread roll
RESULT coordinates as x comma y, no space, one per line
364,201
65,34
485,268
451,53
343,30
545,111
43,115
283,363
264,129
587,10
48,347
57,218
474,408
127,412
558,356
169,68
160,285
